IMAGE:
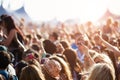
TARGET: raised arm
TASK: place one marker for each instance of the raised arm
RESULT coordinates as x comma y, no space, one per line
86,52
109,46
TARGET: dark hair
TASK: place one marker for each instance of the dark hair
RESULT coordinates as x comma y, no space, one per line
39,36
9,23
55,35
0,22
64,44
71,57
29,36
36,47
19,67
4,59
3,16
29,51
49,47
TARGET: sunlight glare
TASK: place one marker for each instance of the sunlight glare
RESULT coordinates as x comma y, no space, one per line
62,10
40,9
12,5
0,2
114,6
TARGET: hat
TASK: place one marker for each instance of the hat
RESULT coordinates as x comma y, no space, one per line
3,48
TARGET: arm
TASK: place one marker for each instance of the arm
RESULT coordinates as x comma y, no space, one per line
86,52
108,45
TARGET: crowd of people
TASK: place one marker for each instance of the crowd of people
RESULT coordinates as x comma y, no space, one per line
62,52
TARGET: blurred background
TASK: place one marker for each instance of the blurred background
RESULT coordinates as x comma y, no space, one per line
62,10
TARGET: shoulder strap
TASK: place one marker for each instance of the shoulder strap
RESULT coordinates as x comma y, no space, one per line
20,44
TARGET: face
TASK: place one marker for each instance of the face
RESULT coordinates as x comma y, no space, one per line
29,57
81,40
60,48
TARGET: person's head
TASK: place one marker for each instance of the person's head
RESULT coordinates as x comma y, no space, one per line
32,54
65,44
109,21
65,72
31,72
101,71
28,55
81,39
4,59
49,47
60,48
4,48
54,36
35,47
71,58
116,24
53,68
3,16
8,23
70,55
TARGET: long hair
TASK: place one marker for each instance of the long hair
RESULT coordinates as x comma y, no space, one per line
113,59
72,60
101,71
9,25
65,67
31,72
71,56
47,76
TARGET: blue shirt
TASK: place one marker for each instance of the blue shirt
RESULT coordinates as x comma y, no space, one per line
4,73
80,56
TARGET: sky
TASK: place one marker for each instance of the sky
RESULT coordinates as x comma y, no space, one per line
45,10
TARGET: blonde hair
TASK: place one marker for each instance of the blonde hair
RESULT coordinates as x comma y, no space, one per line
31,72
101,71
104,58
